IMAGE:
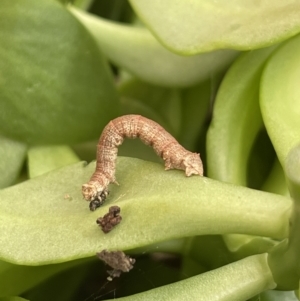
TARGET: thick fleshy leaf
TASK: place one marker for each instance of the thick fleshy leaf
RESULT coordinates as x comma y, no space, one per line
66,285
194,26
274,295
280,94
137,51
13,299
16,279
12,154
240,280
55,86
42,159
236,119
46,220
82,4
276,182
235,125
292,166
196,102
207,251
284,260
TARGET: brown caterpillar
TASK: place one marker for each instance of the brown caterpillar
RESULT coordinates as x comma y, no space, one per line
151,133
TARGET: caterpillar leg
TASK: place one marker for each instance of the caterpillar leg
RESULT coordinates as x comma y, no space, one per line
96,203
95,194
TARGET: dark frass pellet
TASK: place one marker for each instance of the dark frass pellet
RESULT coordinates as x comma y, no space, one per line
110,219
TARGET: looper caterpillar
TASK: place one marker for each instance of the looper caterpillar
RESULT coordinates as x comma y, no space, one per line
151,133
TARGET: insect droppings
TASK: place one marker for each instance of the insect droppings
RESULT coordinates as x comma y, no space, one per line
151,133
110,219
118,260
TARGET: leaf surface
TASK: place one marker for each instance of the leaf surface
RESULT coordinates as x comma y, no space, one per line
240,280
42,159
12,154
194,26
55,85
137,51
46,220
236,118
280,98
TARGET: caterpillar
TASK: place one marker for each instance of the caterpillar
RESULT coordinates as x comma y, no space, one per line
151,133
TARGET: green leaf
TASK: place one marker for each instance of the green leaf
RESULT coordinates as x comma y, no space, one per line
196,102
40,225
160,100
16,279
137,51
208,250
192,26
276,182
236,119
292,166
65,285
236,281
280,96
13,299
12,154
134,106
55,86
42,159
82,4
273,295
242,245
235,125
284,260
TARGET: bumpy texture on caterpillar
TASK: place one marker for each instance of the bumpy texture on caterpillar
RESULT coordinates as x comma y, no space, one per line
151,133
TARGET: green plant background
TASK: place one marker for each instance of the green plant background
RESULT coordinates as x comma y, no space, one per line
223,79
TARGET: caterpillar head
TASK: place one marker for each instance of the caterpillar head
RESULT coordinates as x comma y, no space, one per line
95,194
89,191
193,165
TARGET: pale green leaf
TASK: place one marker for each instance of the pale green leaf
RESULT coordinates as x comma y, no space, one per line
237,281
16,279
137,51
196,102
276,182
13,299
273,295
42,159
82,4
12,154
46,220
235,125
236,119
194,26
284,261
55,86
280,96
